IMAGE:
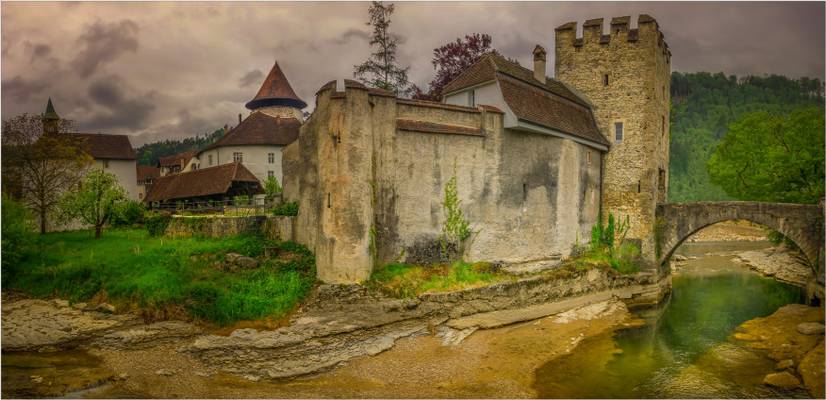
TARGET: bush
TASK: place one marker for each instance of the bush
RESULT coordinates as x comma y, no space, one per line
288,209
778,238
156,223
16,232
272,188
128,213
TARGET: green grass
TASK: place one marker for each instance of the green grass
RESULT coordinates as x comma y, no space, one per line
405,280
624,259
166,277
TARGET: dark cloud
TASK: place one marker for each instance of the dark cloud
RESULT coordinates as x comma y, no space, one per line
251,78
102,43
20,90
358,34
117,108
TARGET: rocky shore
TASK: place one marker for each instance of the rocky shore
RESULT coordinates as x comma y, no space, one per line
793,338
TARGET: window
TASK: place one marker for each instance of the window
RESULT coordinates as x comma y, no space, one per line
663,127
238,157
605,80
270,174
618,132
210,159
472,98
271,158
589,157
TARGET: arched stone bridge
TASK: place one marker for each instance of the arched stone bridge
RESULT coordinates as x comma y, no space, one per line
802,223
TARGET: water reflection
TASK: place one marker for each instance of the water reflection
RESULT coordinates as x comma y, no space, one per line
682,350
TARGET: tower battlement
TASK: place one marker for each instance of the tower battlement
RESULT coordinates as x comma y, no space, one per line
647,32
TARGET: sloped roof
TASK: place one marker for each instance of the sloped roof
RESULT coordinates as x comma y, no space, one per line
275,91
50,113
201,182
260,129
111,147
180,159
537,106
145,172
550,104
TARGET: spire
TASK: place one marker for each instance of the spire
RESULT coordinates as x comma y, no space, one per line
50,113
276,91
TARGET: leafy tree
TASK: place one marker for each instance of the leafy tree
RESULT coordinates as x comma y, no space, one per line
38,166
451,59
16,232
702,107
773,158
381,69
96,201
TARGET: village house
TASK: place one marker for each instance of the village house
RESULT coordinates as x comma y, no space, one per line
146,176
112,153
180,162
212,185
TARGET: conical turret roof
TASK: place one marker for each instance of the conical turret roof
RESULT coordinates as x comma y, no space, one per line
50,113
276,91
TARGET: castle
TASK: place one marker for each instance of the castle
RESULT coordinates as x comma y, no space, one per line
536,160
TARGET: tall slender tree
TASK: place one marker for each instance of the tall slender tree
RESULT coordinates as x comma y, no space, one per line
381,70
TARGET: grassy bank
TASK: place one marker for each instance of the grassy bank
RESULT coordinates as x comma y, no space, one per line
166,278
406,280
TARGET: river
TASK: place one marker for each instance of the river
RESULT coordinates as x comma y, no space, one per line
682,351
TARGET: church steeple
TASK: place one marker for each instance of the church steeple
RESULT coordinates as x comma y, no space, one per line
50,118
276,92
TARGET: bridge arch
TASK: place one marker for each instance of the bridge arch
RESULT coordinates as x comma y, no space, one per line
802,223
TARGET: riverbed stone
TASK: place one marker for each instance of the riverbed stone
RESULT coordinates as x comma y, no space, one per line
778,335
784,364
811,328
783,380
813,371
246,262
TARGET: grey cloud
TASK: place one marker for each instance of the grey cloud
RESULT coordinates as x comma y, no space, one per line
352,33
118,109
251,78
20,90
102,43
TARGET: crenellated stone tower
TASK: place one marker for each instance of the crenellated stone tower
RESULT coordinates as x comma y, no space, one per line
626,76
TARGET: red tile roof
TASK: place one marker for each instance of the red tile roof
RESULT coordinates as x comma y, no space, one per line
276,90
202,182
179,159
107,147
146,172
260,129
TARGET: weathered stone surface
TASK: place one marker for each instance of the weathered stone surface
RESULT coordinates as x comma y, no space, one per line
246,262
141,336
813,371
679,257
214,226
811,328
783,380
779,262
777,334
39,324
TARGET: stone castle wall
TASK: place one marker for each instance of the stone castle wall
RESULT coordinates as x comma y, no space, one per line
637,63
370,172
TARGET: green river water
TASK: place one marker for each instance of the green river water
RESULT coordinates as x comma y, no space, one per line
682,351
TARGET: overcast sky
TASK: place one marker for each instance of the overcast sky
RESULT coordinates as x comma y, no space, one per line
171,70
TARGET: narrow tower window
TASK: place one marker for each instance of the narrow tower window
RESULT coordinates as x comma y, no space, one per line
605,80
618,132
471,98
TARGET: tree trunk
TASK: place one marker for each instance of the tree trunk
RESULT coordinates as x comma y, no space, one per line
42,221
97,231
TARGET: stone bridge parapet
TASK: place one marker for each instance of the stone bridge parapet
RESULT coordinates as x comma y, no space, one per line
802,223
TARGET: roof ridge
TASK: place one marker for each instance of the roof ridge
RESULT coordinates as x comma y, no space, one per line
478,60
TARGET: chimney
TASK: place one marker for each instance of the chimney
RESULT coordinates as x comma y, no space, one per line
239,118
539,64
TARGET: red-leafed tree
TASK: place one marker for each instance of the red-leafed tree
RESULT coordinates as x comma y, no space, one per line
451,59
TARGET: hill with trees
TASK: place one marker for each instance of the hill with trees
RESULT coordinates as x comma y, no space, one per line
704,105
149,153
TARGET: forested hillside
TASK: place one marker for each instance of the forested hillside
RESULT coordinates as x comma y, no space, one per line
703,106
149,153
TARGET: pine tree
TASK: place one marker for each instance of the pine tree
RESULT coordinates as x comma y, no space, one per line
381,69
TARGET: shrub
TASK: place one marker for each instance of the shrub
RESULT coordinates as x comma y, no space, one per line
128,213
288,209
778,238
156,223
16,232
272,188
